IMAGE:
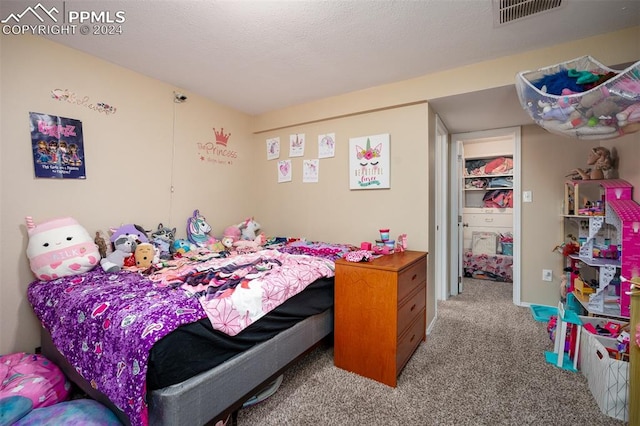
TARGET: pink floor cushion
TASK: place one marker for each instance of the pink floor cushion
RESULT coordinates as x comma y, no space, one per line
34,377
78,412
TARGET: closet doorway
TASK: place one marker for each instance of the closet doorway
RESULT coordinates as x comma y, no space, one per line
485,207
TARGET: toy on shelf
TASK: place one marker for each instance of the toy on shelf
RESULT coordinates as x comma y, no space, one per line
601,165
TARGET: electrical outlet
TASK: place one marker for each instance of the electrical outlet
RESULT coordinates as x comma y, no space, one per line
547,275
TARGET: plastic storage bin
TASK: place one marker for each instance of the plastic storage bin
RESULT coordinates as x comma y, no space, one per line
608,378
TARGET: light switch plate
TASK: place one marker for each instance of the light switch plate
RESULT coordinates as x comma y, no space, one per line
527,197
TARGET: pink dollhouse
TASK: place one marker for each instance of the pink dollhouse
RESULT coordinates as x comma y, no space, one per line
621,212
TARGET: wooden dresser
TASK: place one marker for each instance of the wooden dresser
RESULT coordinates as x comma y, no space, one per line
380,314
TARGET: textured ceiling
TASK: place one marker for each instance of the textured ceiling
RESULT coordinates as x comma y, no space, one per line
258,56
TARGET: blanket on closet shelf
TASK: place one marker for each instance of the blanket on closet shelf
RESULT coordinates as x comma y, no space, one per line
494,267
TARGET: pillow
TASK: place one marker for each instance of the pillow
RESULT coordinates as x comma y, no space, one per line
60,247
81,412
33,377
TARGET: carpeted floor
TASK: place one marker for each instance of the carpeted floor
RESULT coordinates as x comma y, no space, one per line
482,364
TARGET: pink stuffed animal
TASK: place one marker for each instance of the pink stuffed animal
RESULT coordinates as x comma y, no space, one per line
60,247
231,235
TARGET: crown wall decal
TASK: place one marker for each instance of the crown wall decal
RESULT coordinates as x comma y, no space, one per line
221,138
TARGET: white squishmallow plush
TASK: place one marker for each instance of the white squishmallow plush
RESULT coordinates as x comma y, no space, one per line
60,247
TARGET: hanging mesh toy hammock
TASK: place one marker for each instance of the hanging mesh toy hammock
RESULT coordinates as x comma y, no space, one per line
582,98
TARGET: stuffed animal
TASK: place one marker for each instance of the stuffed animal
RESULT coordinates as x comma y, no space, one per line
163,239
101,243
245,246
198,230
249,229
60,247
124,248
231,235
182,246
134,232
146,255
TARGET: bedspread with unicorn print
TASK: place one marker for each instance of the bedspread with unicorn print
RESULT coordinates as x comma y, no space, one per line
237,291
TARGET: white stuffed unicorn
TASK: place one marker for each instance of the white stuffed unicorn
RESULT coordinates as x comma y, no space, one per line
249,229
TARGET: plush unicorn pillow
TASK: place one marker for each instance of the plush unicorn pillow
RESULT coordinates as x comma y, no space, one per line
60,247
198,230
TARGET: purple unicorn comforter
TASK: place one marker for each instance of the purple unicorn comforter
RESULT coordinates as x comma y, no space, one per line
105,324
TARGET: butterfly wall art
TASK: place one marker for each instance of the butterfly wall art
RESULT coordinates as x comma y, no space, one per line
369,160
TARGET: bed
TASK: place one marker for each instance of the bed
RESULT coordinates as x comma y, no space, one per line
148,347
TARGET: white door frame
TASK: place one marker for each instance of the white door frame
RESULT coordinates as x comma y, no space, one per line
449,242
442,201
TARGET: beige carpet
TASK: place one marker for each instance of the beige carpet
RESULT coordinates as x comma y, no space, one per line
482,364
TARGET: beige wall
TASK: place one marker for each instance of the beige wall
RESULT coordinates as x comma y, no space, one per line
613,48
138,138
128,159
547,159
329,210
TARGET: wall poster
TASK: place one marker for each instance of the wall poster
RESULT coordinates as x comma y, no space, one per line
284,171
310,170
58,147
369,159
273,148
296,145
327,145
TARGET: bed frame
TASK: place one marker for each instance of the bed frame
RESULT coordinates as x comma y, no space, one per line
220,392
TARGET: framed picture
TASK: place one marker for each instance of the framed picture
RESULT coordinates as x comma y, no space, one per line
369,159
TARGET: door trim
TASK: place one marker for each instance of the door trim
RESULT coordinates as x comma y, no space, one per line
442,201
454,188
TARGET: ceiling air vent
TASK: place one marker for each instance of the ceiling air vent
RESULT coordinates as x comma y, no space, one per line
506,11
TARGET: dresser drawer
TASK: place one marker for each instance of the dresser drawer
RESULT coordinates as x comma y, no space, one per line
416,302
411,277
489,219
410,340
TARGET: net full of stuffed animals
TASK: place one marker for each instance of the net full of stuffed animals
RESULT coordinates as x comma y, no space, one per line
582,98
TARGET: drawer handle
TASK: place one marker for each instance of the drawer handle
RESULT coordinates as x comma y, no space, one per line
414,277
413,307
412,337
